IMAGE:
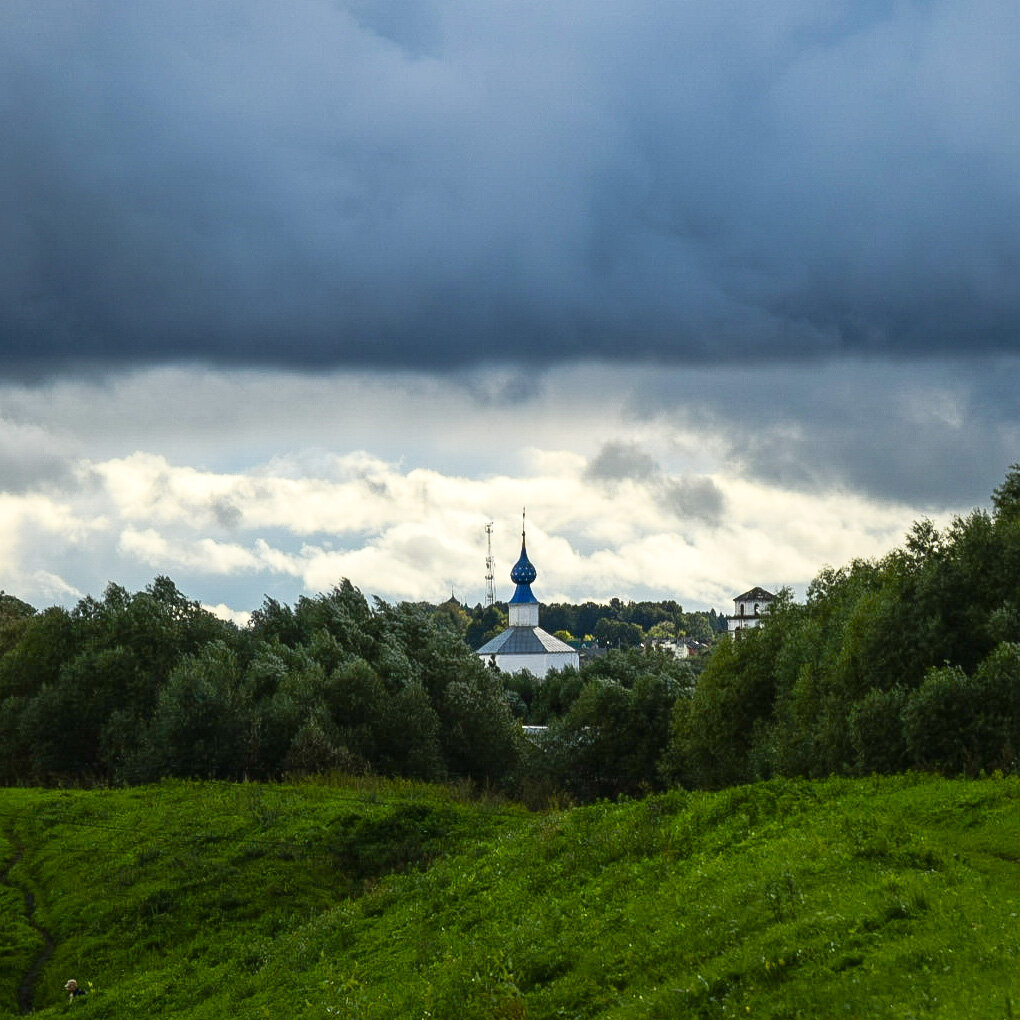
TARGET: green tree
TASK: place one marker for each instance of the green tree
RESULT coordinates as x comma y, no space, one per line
959,724
68,719
714,735
665,630
485,624
876,731
478,732
611,740
932,721
356,700
202,725
618,634
409,736
43,644
453,615
1006,498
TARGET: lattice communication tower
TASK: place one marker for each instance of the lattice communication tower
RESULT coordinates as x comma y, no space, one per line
490,590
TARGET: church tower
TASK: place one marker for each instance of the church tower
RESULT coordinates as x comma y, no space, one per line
524,605
524,645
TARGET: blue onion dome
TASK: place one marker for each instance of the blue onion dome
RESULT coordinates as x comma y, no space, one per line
523,571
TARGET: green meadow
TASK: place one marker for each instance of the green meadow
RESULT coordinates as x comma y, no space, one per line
880,897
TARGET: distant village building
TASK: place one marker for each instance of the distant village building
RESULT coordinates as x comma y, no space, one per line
747,611
678,649
588,651
681,648
524,645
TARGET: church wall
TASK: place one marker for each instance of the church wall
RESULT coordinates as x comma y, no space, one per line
524,614
537,665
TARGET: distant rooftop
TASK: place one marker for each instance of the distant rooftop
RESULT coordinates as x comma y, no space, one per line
523,641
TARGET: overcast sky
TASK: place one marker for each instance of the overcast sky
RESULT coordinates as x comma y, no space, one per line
294,291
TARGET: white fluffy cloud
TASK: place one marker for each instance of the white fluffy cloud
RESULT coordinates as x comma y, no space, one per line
414,533
638,482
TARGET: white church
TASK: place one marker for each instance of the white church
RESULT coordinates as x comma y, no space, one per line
524,645
748,610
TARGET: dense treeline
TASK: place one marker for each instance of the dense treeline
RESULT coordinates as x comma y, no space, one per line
136,686
614,624
909,662
912,661
132,687
608,725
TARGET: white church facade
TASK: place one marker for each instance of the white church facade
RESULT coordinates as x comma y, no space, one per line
524,645
747,610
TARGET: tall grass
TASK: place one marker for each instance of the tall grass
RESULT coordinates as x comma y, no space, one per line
879,897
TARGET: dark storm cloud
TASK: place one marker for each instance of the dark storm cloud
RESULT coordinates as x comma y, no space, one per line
620,461
387,183
688,497
940,434
699,499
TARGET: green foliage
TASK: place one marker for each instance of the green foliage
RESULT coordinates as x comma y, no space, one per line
485,624
611,740
909,661
618,633
1006,498
868,897
202,720
453,615
609,725
13,616
714,734
623,624
548,698
12,608
876,731
477,731
959,724
42,645
137,686
663,631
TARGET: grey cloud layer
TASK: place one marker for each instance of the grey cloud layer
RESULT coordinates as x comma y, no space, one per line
439,184
688,497
619,461
937,435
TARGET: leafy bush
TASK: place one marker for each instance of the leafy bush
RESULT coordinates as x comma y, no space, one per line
959,724
876,730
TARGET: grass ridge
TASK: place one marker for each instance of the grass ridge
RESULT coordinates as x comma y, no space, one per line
893,896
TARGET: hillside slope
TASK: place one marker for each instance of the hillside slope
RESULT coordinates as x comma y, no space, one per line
892,897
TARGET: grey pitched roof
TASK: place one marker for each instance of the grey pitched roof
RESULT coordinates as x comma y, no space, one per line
524,641
754,595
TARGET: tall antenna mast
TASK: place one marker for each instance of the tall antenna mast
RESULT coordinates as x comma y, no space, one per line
490,591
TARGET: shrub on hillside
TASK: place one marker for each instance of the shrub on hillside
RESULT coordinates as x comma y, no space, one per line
958,724
876,730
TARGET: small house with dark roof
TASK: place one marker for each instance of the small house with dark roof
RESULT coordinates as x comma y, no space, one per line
524,645
747,610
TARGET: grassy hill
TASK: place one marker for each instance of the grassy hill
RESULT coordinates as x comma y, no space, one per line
892,897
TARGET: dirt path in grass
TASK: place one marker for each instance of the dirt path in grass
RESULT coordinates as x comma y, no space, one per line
26,990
